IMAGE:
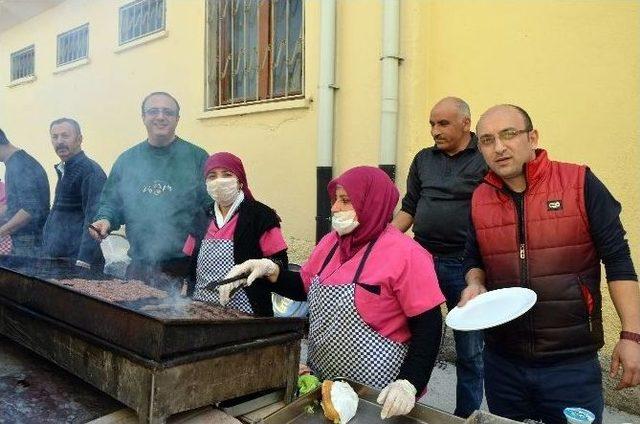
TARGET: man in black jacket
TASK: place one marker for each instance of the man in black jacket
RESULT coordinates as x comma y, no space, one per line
80,182
27,189
439,186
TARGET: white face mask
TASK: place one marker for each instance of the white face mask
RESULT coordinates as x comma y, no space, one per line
344,222
223,190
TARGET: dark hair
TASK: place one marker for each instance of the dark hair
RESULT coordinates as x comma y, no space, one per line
160,93
527,119
3,137
69,121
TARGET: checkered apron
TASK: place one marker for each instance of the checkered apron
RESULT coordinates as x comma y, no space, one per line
341,344
214,262
5,245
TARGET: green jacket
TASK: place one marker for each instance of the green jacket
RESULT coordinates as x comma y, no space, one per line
155,192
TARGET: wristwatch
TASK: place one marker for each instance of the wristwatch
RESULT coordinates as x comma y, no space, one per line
628,335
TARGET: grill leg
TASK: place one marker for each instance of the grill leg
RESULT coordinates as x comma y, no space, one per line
292,363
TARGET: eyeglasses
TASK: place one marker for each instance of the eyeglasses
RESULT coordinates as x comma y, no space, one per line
504,135
154,111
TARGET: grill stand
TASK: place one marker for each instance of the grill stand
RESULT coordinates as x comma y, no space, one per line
156,390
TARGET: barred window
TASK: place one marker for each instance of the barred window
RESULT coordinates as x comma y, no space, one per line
255,51
73,45
23,63
140,18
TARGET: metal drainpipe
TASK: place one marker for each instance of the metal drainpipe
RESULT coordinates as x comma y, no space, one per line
390,64
326,91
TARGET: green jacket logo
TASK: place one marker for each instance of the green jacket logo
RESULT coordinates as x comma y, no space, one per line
157,188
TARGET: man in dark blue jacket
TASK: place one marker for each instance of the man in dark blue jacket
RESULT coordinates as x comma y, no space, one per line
80,182
27,189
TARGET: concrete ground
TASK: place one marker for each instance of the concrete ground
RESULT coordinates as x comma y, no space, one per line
17,366
442,390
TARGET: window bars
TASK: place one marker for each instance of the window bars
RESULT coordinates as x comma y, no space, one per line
73,45
140,18
255,51
23,63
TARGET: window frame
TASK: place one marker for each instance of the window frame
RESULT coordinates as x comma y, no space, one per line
32,48
132,4
58,38
264,80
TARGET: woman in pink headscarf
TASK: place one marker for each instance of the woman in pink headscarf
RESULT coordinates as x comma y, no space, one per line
238,228
373,295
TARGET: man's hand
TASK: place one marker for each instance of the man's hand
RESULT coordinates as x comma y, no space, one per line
627,354
100,229
475,279
470,292
625,295
402,221
83,264
17,221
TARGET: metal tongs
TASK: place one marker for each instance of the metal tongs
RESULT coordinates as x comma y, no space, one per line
215,284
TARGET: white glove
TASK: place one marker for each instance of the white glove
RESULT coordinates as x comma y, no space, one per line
256,268
225,291
398,398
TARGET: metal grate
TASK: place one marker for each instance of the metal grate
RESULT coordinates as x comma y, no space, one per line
255,51
23,63
140,18
73,45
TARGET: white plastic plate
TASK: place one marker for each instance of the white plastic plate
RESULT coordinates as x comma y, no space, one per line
492,308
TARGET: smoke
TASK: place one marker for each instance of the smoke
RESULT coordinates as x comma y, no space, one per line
158,193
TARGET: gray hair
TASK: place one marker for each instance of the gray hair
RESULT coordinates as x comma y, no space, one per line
69,121
463,107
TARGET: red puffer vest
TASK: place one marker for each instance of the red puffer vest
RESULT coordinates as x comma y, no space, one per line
556,259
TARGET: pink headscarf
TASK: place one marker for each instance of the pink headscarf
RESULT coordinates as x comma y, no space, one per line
232,163
374,197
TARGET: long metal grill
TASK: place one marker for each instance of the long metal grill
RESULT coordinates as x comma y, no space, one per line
255,51
140,18
23,63
73,45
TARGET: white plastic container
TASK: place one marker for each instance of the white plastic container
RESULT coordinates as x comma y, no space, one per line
115,250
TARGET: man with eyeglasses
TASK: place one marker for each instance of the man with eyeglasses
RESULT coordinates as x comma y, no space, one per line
546,225
155,189
439,186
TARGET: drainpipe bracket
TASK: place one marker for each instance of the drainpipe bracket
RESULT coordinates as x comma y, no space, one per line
398,58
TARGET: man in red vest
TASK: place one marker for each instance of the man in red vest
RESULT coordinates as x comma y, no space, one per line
547,225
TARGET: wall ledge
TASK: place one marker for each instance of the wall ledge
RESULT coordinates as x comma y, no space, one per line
21,81
302,103
142,40
69,66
